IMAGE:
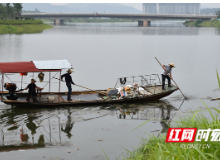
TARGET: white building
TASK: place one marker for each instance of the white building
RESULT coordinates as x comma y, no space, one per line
149,8
171,8
179,8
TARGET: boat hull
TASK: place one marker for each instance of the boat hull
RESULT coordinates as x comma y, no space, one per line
156,96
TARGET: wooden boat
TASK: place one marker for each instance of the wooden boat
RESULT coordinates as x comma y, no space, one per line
148,83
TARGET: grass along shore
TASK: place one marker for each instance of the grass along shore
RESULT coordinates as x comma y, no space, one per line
155,148
200,23
22,26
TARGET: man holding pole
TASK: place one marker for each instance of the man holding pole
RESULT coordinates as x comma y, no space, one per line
167,69
69,81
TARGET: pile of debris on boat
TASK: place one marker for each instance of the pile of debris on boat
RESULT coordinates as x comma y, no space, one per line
124,92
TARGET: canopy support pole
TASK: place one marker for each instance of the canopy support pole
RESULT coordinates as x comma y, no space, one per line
49,81
2,85
21,80
59,86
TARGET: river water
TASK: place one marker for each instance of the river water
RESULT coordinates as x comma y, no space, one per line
101,53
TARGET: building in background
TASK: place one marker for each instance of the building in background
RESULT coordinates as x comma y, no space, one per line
150,8
171,8
179,8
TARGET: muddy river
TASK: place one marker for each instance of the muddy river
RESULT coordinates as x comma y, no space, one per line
100,54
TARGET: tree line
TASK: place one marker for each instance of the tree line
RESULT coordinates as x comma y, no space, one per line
218,13
10,11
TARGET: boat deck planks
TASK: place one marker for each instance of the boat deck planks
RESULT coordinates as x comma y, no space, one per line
158,89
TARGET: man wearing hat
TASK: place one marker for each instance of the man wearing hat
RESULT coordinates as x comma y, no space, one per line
164,73
32,90
69,81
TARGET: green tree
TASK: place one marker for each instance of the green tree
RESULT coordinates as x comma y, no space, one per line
218,13
1,11
18,8
7,11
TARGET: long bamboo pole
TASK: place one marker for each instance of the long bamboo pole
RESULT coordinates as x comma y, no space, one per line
170,77
85,87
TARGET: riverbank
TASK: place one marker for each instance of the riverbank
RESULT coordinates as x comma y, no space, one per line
200,23
155,148
22,26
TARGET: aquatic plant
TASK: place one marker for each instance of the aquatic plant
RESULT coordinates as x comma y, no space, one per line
218,79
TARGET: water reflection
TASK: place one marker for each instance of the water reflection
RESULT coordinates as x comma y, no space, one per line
159,28
161,112
69,125
27,128
170,31
145,114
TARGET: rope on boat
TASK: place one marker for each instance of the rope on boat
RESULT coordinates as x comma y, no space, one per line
84,87
50,80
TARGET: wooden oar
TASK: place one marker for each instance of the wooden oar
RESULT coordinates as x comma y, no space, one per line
91,89
170,77
84,87
215,99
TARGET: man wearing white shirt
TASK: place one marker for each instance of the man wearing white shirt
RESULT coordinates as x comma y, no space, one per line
165,75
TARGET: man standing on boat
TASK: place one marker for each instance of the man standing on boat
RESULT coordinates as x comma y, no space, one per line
167,69
32,90
69,81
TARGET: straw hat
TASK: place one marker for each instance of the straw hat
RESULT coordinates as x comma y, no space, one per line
172,64
69,71
33,81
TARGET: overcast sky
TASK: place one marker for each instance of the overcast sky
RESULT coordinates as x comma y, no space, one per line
139,5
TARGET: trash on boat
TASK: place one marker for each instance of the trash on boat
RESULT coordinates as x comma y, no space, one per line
124,92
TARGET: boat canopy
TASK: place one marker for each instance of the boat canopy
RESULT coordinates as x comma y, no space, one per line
52,64
33,66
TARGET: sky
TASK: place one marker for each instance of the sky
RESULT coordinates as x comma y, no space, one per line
139,5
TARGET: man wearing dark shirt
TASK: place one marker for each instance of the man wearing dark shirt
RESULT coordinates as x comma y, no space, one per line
32,90
69,81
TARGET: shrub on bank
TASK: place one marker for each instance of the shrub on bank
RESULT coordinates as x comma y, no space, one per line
207,23
19,22
198,21
24,28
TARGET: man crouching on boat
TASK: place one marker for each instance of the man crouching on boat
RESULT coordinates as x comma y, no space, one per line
32,90
69,81
164,73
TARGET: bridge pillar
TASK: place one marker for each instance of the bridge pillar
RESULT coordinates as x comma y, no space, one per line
58,22
143,23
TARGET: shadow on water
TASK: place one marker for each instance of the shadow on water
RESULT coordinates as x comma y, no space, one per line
31,128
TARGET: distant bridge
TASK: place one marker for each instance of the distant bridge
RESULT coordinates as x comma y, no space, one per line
143,19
